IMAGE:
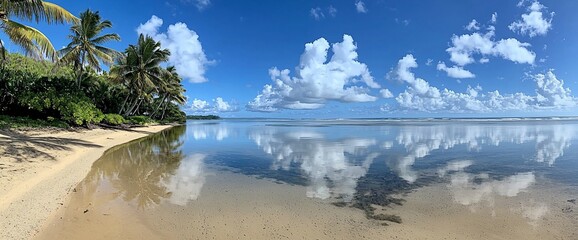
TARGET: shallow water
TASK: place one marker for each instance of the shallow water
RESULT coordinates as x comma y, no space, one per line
251,179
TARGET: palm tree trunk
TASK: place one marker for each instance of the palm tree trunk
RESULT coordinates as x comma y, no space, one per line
158,106
124,103
164,109
81,70
135,107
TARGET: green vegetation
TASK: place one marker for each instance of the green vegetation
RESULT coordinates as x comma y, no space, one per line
71,87
140,120
113,119
203,117
23,122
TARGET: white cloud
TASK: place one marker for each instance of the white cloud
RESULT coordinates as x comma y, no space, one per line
332,10
551,91
317,80
473,25
465,46
533,23
421,96
455,71
385,93
187,53
360,7
317,13
202,4
202,106
484,60
515,51
494,17
222,106
199,105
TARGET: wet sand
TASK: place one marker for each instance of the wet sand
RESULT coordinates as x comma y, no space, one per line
39,168
229,205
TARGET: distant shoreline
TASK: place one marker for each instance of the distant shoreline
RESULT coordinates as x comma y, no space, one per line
481,119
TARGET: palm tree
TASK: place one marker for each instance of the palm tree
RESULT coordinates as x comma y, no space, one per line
34,42
139,70
85,49
170,91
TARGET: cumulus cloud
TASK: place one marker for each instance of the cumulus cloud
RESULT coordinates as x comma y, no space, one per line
222,106
515,51
360,7
187,53
473,25
202,106
455,71
551,91
464,47
199,105
533,23
318,80
420,95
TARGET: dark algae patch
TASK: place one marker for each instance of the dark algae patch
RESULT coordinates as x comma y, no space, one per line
380,188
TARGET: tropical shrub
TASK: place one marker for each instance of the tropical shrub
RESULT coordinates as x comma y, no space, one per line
81,113
140,120
113,119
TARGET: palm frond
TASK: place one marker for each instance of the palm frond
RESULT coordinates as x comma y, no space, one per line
37,10
106,38
34,42
55,13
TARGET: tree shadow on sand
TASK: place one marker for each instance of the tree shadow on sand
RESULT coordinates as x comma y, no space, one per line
20,146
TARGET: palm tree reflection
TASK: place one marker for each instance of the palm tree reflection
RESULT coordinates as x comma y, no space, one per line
138,171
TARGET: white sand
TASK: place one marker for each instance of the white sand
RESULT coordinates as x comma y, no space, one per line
38,169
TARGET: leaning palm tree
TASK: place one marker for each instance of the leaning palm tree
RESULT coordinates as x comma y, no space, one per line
139,70
85,48
170,91
34,42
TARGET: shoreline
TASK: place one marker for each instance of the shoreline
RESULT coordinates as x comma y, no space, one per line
39,168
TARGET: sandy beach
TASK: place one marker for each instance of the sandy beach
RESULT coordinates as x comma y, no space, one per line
39,168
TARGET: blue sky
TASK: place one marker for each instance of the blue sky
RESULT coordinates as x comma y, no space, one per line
414,58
